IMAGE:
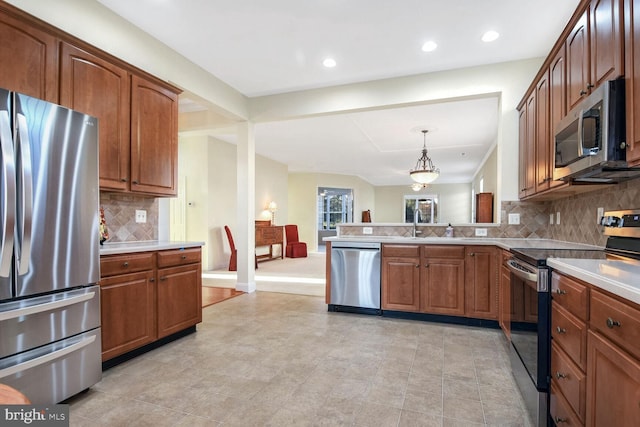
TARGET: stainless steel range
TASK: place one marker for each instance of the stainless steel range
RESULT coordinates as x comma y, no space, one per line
531,296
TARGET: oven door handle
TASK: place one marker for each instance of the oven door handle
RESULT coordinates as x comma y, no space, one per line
517,269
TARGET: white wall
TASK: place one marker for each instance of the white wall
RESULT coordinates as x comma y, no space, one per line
454,202
209,166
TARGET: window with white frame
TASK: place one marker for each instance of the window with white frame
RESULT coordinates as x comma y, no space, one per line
335,206
426,204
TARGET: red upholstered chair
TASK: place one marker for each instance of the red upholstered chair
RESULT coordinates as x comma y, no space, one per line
233,260
295,248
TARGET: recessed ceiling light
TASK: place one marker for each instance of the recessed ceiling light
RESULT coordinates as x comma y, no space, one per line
329,62
429,46
490,36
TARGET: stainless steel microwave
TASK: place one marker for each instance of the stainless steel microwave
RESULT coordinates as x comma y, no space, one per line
590,142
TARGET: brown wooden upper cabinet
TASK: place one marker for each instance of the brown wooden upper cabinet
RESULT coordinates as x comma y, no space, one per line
632,79
154,138
101,89
30,61
595,49
137,119
137,113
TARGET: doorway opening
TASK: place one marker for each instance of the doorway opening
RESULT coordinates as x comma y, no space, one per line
334,207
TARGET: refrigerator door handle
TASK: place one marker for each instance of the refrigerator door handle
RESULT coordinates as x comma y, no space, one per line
46,358
9,192
24,238
40,308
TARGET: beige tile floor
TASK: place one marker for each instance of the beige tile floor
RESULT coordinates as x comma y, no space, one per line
270,359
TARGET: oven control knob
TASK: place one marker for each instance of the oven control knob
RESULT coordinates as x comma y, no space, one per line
610,221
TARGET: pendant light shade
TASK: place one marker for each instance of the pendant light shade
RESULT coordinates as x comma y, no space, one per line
424,172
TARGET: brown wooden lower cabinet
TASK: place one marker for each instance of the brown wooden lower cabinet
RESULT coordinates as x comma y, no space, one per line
613,384
147,296
481,282
400,277
443,286
128,307
560,410
179,298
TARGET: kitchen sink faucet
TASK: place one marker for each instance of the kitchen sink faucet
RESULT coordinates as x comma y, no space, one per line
416,219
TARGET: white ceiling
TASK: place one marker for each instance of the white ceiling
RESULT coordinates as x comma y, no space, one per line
266,47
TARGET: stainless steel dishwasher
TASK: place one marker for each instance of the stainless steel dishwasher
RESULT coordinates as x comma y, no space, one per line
355,275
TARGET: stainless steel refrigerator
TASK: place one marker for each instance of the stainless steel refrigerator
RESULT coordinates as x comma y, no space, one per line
50,342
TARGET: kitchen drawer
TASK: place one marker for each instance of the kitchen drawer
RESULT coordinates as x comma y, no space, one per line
178,257
617,320
447,251
403,251
570,294
560,410
570,333
569,379
129,263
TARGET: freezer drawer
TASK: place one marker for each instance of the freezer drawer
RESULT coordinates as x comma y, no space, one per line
55,372
355,277
30,323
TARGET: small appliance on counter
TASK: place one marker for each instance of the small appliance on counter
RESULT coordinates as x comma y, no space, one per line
531,331
50,337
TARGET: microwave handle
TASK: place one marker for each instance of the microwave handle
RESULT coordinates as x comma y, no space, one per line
580,135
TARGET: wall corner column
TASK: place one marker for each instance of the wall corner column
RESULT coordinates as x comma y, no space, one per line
246,183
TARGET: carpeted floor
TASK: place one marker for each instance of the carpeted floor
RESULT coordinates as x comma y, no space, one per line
303,276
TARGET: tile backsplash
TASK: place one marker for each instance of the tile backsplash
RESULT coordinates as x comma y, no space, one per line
578,214
120,211
578,218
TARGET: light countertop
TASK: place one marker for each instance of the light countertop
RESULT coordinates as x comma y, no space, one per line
505,243
144,246
619,277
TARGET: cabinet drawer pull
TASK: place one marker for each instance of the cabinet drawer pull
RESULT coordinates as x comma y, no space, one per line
125,264
561,291
123,179
559,420
560,375
183,257
163,278
590,86
152,280
426,266
417,265
561,330
583,92
612,323
135,182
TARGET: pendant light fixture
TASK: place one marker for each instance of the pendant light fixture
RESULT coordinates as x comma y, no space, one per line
424,172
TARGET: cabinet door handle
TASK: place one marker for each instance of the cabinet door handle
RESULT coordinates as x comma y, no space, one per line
559,420
472,254
426,266
163,278
560,375
583,92
123,179
125,264
561,330
612,323
417,265
135,182
561,291
152,280
590,86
